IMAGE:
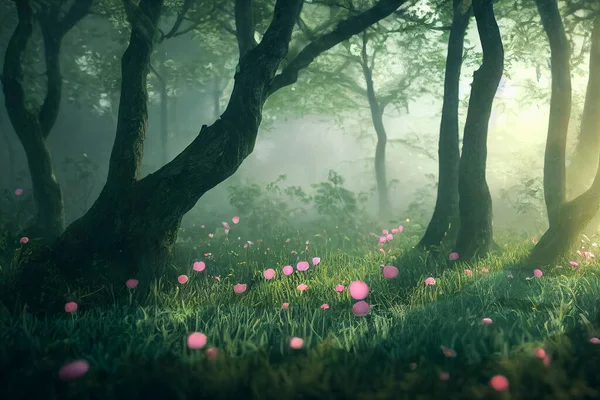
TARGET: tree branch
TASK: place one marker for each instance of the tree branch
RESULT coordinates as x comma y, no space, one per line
78,10
126,155
244,26
344,30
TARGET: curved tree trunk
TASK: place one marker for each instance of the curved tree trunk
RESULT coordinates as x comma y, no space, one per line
567,219
475,204
445,220
133,224
385,208
33,128
585,158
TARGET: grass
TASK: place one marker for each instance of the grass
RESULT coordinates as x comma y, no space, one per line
137,347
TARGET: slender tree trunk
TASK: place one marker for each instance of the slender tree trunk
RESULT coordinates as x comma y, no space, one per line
138,220
33,128
567,219
446,219
581,172
385,208
475,204
161,74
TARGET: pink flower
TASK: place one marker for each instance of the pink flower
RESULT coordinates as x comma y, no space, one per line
385,232
390,272
199,266
316,260
240,288
468,272
382,239
395,230
486,321
19,192
24,240
182,279
210,235
211,353
509,275
302,287
574,264
131,283
430,281
226,226
537,273
288,270
400,228
235,219
285,306
302,266
71,307
296,343
540,353
361,308
324,306
453,256
389,236
595,340
499,383
196,340
339,288
444,376
73,370
358,290
269,273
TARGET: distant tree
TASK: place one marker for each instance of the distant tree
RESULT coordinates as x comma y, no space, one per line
34,122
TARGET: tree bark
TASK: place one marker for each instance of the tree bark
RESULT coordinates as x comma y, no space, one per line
585,157
566,219
385,208
475,204
446,219
33,128
164,108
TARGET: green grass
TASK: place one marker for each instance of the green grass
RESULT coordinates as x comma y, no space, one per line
137,346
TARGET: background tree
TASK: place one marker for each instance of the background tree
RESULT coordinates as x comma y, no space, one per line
32,123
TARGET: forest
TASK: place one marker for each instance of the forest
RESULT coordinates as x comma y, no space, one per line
299,199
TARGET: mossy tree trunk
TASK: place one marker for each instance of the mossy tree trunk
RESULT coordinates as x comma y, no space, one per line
567,219
445,220
34,126
475,204
132,226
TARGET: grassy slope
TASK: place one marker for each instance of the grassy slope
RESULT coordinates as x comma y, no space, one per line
137,348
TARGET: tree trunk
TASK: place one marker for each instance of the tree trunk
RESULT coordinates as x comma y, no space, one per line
31,129
132,225
475,204
585,157
446,219
385,208
567,219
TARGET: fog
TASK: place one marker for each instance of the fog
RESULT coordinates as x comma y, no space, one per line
305,149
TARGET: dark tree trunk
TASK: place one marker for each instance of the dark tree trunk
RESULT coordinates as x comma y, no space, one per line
32,129
133,224
566,219
385,208
585,158
475,204
445,220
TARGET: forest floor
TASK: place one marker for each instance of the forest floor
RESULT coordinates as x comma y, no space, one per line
417,341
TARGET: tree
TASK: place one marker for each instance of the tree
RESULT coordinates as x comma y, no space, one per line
133,224
445,219
33,125
475,204
566,218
